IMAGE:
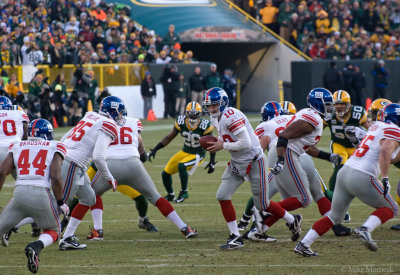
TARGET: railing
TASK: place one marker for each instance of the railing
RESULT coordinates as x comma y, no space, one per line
266,29
105,74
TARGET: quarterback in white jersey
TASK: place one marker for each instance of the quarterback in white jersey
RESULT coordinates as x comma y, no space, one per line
247,159
86,142
38,189
124,159
359,178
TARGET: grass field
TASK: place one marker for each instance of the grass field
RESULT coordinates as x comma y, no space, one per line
126,249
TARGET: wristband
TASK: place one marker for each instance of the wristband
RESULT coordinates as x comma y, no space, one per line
324,155
60,202
282,142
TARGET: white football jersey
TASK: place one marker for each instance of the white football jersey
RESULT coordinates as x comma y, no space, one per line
300,145
127,143
272,128
366,157
11,126
32,160
231,123
81,139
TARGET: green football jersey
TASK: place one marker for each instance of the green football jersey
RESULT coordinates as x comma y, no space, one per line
191,136
356,118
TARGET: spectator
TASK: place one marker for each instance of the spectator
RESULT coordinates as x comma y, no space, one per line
93,87
75,108
81,82
213,79
183,91
148,91
284,19
170,82
358,85
322,23
58,55
229,85
13,86
171,38
35,88
332,79
347,73
380,76
21,101
197,85
163,58
60,81
47,106
268,14
189,59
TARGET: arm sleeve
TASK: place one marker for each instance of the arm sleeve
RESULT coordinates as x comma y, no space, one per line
99,154
243,142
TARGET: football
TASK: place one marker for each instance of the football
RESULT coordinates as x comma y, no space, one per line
205,139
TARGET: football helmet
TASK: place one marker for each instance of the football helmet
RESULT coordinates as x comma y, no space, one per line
321,101
288,108
376,106
193,112
270,110
41,128
215,96
5,103
341,102
391,113
114,108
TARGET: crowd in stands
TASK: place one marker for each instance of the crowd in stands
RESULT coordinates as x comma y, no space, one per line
333,29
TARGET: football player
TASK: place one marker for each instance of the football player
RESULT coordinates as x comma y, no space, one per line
359,178
192,128
124,159
87,142
346,117
38,188
288,108
247,160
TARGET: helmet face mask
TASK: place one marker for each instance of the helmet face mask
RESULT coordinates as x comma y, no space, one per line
288,108
342,103
321,101
215,101
193,112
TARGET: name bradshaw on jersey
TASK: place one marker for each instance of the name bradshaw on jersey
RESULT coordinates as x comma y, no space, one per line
32,159
191,144
11,126
366,157
356,117
272,128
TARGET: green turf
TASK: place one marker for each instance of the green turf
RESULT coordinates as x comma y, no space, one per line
130,250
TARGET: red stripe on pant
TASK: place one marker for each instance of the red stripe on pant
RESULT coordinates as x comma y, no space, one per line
228,210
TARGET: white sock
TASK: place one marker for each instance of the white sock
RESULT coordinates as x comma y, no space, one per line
310,237
97,216
288,217
327,213
233,228
173,217
25,221
372,223
141,219
71,228
265,228
46,239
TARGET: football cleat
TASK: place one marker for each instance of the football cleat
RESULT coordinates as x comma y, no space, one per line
242,225
233,242
303,250
189,232
395,227
295,227
170,197
6,236
33,258
245,236
95,235
365,236
35,230
70,243
182,196
147,225
347,218
254,235
341,230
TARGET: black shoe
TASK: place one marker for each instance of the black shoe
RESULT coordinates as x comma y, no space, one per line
170,197
35,230
32,253
245,236
182,196
395,227
301,249
243,223
340,230
70,243
365,236
234,242
295,227
6,236
147,225
255,236
188,232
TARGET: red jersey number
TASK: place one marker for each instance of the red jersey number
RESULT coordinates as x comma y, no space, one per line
363,147
79,130
229,113
124,136
9,128
39,163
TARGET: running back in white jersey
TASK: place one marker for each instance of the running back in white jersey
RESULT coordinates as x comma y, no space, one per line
300,145
231,123
366,157
32,160
127,143
81,139
272,128
11,126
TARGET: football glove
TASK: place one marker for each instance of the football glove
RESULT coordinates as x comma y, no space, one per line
278,166
113,184
386,186
152,154
210,166
64,209
335,159
351,135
